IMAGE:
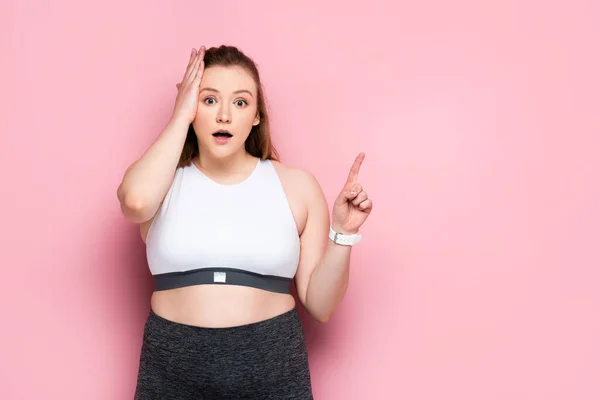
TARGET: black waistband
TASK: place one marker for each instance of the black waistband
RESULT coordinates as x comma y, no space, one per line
222,276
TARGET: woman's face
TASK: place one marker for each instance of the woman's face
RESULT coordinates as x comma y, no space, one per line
227,102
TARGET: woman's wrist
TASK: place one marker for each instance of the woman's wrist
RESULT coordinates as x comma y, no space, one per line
339,229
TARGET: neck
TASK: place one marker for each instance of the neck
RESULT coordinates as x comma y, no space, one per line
238,162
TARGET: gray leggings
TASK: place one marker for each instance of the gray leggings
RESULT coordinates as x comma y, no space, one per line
262,360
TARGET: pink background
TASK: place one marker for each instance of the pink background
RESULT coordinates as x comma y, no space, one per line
478,274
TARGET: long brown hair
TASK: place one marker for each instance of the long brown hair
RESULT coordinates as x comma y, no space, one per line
259,143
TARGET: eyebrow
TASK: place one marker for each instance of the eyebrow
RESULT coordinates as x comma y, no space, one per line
236,92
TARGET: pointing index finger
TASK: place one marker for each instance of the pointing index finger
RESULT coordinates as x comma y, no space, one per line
353,175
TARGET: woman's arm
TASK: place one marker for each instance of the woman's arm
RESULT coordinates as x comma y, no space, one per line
324,269
313,246
323,273
147,181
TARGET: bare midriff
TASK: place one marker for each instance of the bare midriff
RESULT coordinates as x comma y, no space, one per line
218,306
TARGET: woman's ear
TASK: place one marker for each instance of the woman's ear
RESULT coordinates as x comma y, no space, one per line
256,120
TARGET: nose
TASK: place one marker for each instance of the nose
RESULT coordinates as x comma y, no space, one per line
224,115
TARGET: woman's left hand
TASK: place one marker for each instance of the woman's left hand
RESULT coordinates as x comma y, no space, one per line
352,206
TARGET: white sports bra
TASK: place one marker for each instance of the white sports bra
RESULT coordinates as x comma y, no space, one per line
210,233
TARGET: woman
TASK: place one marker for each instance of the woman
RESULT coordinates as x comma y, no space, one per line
227,228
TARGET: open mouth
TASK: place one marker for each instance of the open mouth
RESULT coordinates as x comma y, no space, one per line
222,134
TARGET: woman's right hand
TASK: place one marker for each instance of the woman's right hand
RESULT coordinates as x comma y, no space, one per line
186,103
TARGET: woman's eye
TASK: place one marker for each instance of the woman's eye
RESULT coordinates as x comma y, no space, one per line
240,103
209,100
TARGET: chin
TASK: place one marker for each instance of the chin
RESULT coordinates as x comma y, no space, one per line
222,150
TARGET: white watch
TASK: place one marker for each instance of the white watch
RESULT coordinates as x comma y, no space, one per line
343,239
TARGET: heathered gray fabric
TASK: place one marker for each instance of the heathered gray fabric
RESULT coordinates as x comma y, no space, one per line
264,360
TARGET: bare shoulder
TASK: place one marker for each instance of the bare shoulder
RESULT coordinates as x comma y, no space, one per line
297,179
302,190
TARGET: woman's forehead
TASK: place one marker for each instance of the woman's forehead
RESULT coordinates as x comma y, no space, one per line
227,79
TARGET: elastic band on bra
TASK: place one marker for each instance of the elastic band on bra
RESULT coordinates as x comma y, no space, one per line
222,276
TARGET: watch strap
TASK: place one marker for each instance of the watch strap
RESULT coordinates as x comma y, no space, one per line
344,239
